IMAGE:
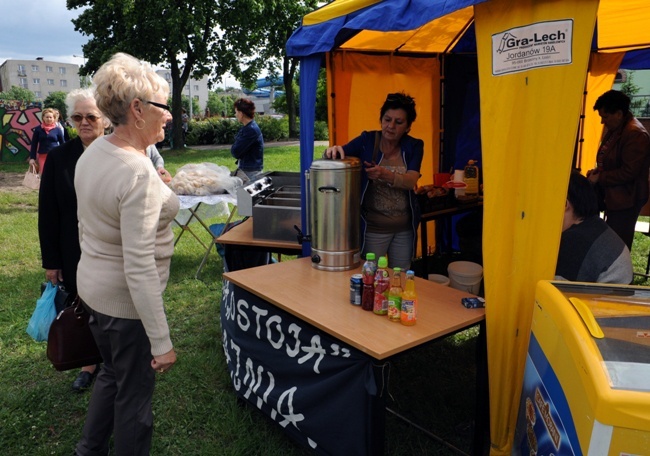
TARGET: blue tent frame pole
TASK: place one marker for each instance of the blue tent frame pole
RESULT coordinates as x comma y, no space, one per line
309,69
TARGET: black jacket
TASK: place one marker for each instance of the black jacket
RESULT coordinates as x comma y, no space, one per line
57,213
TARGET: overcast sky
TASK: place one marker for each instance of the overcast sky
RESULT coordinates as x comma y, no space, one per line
39,28
43,28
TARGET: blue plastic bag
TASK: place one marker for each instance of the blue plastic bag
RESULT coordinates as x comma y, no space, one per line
44,314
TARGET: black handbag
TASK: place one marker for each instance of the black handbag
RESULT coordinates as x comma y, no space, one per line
70,343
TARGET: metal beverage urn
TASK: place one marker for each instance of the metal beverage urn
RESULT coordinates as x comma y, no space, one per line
334,213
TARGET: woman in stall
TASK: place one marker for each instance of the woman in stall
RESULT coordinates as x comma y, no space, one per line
390,212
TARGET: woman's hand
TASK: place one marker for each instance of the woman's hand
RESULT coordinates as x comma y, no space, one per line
54,275
163,363
332,152
593,175
376,172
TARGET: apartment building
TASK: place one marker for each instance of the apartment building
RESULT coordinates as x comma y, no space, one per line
40,76
195,88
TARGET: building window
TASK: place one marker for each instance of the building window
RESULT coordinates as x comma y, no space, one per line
23,82
37,81
61,70
196,88
21,70
34,67
64,83
50,82
48,69
37,94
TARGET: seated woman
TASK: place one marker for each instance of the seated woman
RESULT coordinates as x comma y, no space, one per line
390,212
590,251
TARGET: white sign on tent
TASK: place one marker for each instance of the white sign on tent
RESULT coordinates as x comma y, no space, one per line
533,46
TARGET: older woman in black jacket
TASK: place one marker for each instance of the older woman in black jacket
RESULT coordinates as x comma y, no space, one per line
57,207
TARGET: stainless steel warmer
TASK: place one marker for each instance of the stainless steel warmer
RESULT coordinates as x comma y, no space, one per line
334,213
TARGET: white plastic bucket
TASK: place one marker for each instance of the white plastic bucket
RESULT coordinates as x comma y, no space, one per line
465,276
440,279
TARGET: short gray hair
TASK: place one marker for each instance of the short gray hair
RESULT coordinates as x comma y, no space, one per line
76,96
123,79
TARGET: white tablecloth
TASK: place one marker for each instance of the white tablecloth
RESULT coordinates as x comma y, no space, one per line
211,206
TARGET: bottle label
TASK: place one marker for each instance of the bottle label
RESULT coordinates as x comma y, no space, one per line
394,307
408,310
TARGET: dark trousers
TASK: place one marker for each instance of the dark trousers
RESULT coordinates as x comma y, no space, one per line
623,222
121,398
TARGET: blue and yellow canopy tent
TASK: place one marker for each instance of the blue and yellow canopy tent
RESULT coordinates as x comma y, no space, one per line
530,119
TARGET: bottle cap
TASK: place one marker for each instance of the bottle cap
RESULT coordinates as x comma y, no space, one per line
397,269
370,256
383,262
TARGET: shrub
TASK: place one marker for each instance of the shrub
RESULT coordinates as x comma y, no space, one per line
321,132
273,129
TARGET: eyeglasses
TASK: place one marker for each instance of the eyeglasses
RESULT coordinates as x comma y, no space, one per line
92,118
158,105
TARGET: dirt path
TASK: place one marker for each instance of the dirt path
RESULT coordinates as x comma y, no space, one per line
13,182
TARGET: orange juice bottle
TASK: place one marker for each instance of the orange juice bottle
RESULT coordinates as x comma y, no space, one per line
409,301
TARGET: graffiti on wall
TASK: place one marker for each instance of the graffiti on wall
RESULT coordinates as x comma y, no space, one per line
17,120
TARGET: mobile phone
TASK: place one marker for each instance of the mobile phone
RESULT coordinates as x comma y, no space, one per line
473,303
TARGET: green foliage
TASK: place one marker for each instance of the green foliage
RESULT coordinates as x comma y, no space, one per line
18,93
629,88
214,130
183,35
57,100
273,129
221,103
321,132
321,96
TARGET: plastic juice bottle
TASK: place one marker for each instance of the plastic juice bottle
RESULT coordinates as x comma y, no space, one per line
395,296
408,314
368,271
471,178
382,284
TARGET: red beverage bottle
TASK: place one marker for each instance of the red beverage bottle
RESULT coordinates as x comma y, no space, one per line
382,284
368,271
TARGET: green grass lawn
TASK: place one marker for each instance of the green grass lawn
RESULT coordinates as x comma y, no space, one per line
196,411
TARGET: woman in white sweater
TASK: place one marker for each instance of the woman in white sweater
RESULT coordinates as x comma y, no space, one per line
125,213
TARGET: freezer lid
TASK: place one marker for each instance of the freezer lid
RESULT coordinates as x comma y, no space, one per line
622,314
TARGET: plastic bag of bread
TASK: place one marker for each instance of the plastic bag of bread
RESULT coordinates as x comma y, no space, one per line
204,179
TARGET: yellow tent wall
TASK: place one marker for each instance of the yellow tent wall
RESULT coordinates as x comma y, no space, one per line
358,84
527,154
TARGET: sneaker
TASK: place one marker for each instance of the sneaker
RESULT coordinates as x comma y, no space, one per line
84,380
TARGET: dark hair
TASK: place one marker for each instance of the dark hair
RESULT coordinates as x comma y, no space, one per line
400,100
245,106
612,101
582,196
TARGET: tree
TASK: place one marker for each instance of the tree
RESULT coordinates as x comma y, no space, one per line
221,103
266,25
18,93
57,100
181,34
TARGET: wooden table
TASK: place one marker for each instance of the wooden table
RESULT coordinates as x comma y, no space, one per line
259,304
444,214
242,236
322,298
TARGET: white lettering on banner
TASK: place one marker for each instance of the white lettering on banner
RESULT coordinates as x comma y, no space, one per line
295,330
275,321
284,411
258,313
242,317
289,416
269,327
314,349
532,46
